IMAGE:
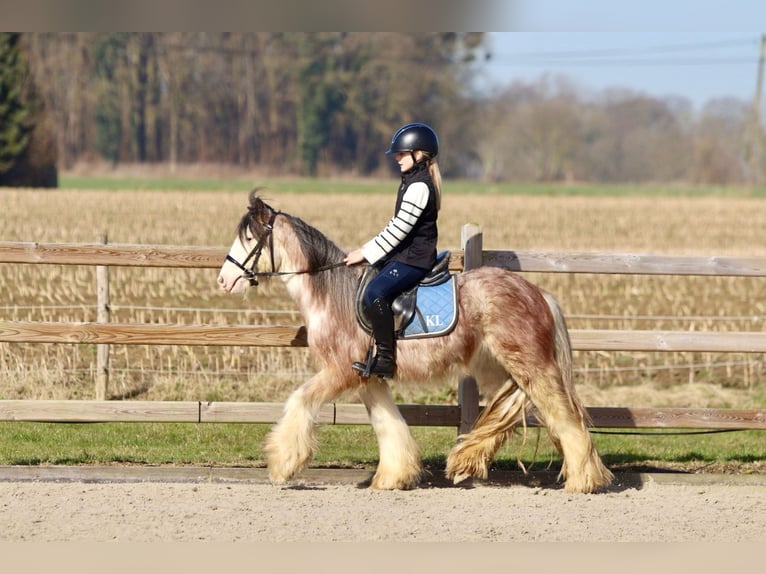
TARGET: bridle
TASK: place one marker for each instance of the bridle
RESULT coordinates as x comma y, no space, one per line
255,253
251,275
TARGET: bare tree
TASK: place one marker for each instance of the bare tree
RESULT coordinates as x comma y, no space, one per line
327,103
719,143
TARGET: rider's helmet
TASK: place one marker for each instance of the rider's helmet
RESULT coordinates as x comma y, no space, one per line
415,136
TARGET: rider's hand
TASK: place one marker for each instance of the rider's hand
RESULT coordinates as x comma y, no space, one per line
354,257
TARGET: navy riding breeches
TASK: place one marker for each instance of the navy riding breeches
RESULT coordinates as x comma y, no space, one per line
392,280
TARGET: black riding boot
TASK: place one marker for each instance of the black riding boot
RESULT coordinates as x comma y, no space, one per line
382,321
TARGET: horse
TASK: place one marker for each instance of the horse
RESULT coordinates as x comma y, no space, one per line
510,336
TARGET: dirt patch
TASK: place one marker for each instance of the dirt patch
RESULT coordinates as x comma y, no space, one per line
663,507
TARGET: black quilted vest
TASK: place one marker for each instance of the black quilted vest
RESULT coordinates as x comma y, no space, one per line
419,247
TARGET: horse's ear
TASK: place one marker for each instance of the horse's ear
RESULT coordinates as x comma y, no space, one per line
257,206
254,202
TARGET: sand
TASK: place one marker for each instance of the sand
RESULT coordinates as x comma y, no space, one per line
638,508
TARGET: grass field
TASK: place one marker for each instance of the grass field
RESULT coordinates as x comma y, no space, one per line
242,181
537,217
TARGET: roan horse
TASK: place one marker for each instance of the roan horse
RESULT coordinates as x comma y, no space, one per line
510,335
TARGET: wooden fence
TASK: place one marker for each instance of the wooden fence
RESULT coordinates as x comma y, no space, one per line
104,333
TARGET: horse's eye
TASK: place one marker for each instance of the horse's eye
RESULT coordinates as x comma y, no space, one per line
249,237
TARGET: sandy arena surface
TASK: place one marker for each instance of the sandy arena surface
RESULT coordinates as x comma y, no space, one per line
639,508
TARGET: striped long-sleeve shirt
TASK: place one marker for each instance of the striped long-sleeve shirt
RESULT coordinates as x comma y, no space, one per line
411,234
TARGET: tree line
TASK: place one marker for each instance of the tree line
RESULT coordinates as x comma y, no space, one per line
320,104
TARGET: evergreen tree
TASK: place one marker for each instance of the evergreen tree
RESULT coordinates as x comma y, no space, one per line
321,99
109,57
14,126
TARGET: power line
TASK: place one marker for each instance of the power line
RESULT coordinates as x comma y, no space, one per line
594,57
638,62
622,63
597,52
641,56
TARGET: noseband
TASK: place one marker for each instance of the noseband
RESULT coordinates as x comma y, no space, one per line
251,275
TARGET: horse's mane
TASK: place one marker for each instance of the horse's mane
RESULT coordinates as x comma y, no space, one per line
339,283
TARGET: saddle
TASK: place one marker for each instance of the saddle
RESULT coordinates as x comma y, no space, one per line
427,310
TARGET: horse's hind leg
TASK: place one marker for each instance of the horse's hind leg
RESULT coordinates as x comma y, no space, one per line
399,466
567,424
474,451
552,391
561,413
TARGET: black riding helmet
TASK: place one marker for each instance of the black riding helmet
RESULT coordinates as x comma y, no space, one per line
415,136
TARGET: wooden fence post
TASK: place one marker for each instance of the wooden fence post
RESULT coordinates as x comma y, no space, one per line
468,390
468,401
102,316
471,240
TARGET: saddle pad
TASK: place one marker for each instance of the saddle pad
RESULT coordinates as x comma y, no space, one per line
435,313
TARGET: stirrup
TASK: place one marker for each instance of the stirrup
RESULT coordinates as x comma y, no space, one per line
366,367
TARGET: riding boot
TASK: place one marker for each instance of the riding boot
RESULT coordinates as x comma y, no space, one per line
382,321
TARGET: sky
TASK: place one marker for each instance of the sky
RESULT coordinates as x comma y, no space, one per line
669,16
697,49
699,66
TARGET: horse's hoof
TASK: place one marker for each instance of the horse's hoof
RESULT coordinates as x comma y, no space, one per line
380,482
277,480
458,478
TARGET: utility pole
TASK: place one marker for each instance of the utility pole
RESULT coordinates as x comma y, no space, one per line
754,151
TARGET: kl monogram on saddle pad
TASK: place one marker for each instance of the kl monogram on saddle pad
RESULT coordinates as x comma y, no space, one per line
427,310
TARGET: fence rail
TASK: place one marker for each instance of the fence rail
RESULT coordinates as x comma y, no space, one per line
71,411
131,255
104,333
626,263
291,336
114,254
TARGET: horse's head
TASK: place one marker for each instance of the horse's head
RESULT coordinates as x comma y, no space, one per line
252,250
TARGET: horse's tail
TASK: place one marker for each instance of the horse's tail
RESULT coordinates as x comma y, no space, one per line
583,468
563,354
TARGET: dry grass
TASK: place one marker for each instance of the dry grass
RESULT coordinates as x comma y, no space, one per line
660,225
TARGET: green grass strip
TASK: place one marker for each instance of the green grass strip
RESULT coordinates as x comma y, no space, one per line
365,186
23,443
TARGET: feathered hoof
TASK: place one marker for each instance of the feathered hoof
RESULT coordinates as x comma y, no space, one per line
278,477
283,469
461,466
386,481
458,478
586,488
597,479
277,480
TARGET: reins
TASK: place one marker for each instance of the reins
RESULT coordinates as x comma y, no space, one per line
255,254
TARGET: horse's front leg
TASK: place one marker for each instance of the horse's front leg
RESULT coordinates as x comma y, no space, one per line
399,466
291,443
